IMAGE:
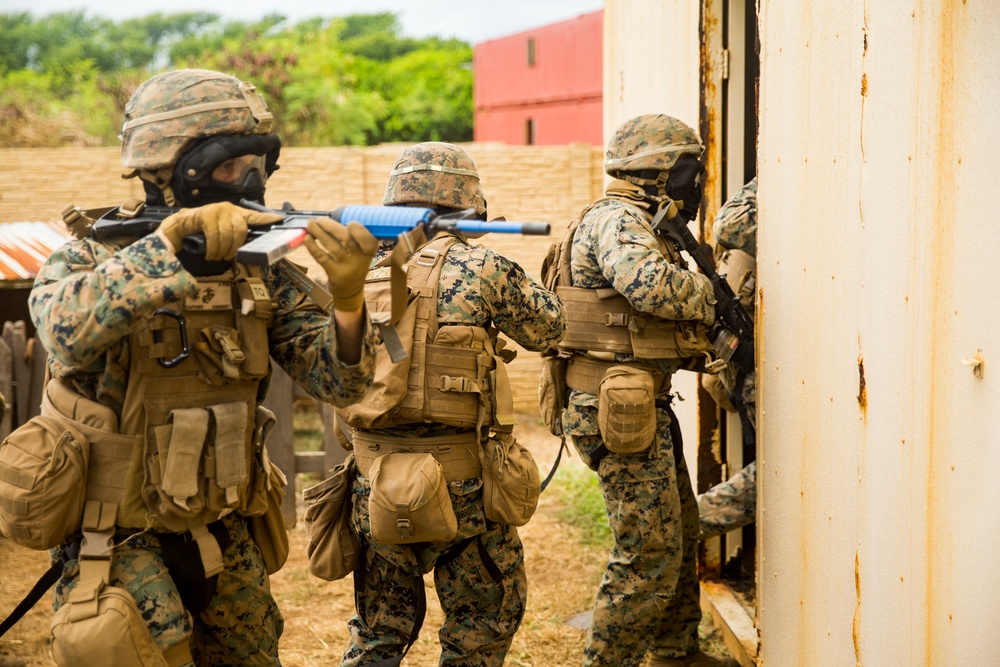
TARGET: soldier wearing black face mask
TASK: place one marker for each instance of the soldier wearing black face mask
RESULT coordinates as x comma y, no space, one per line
636,314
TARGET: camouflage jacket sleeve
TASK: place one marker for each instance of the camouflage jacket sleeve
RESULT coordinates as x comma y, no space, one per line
303,341
86,296
735,225
478,286
616,245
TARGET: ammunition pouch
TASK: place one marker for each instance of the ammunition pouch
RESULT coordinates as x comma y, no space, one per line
409,500
511,483
334,547
626,409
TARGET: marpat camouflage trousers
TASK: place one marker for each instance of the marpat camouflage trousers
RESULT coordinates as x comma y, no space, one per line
730,504
648,599
482,589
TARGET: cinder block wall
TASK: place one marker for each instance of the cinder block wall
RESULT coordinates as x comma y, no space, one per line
522,183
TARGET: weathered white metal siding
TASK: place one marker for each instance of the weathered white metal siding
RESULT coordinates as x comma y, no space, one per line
651,65
879,539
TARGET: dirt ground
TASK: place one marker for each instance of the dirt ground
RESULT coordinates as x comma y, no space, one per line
562,573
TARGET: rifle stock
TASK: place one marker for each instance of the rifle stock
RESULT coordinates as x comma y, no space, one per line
734,338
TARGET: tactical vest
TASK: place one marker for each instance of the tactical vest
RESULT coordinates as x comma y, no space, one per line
452,375
603,321
194,372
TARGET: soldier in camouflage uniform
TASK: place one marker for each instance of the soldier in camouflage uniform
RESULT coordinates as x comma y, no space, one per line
92,297
647,604
479,575
733,503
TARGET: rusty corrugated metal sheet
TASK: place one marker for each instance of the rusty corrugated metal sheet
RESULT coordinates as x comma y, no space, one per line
24,247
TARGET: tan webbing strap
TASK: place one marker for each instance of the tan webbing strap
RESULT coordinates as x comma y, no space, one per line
406,245
230,462
208,548
95,573
303,283
585,374
458,454
187,439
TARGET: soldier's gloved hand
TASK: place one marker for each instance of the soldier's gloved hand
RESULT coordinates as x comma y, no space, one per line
345,252
224,225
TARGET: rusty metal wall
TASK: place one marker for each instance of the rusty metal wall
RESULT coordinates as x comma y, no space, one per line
878,539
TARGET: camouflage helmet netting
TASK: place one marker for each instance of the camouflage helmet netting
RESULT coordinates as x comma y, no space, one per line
435,174
650,141
170,111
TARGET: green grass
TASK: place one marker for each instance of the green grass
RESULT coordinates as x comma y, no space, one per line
577,489
307,429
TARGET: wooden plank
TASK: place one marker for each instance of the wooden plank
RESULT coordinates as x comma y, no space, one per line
6,388
14,335
39,363
311,462
281,443
729,615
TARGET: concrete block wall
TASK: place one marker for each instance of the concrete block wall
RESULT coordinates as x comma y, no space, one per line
522,183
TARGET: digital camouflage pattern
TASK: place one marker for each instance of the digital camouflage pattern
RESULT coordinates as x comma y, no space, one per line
650,141
735,225
477,287
87,295
648,597
176,99
241,625
435,174
481,615
733,503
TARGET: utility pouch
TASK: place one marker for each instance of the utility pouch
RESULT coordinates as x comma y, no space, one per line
268,529
43,481
102,626
511,482
552,392
626,409
333,548
409,500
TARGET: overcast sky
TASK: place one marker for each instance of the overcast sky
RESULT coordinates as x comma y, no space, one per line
471,20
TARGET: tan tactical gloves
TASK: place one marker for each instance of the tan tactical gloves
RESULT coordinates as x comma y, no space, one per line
345,252
224,225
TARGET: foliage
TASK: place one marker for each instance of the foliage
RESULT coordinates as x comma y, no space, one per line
354,80
578,490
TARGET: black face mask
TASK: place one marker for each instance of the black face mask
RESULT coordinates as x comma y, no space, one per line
193,183
684,184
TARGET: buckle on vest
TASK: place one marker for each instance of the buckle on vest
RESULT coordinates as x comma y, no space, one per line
616,320
428,257
461,384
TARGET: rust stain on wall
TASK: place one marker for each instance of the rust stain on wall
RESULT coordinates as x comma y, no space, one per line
856,625
862,385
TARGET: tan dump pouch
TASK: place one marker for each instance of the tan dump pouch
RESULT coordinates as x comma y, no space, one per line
265,519
110,632
552,392
409,500
601,320
626,409
63,468
333,547
458,454
511,483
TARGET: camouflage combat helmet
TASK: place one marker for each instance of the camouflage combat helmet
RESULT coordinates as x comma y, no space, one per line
650,142
435,174
170,111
